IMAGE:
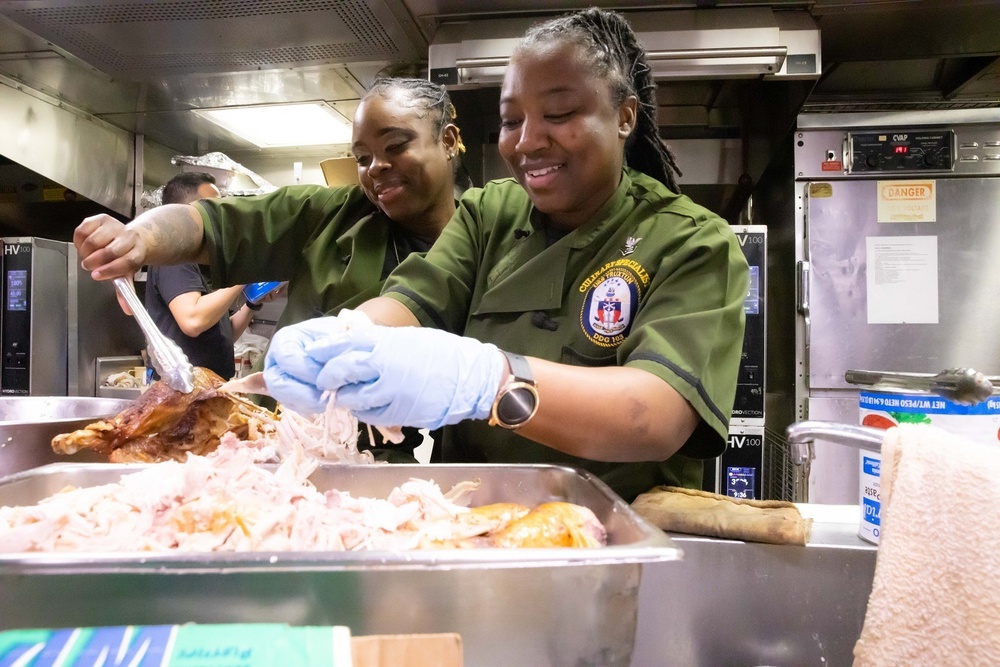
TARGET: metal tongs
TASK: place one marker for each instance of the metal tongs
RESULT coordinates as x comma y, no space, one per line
965,386
168,359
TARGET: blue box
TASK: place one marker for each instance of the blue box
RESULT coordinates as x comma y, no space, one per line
254,292
189,645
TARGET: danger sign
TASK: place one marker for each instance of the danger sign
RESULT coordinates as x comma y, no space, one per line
907,201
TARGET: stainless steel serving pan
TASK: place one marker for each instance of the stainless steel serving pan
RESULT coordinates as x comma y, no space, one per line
28,424
511,606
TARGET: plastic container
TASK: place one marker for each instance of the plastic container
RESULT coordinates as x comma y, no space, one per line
881,409
254,292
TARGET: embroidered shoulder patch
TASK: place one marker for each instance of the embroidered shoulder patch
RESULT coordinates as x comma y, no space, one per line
612,295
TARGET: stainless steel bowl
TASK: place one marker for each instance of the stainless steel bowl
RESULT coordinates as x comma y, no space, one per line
28,424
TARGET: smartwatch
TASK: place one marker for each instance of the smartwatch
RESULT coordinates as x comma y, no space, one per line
517,400
253,306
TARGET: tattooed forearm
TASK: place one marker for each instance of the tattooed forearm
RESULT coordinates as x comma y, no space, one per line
173,233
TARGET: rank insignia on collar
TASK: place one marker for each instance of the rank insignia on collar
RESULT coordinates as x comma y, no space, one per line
630,244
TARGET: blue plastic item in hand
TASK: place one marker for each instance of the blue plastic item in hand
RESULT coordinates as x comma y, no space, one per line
254,292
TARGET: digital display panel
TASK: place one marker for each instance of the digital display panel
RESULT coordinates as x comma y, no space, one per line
751,305
901,150
740,482
17,289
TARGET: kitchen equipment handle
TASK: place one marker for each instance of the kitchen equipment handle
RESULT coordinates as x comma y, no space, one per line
960,385
802,287
167,358
802,300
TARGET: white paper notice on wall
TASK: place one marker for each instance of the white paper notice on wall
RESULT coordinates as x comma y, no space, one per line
902,278
907,201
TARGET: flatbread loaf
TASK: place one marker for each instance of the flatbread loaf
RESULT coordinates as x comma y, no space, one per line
679,510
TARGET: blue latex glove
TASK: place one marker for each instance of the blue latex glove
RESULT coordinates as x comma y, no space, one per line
290,373
387,376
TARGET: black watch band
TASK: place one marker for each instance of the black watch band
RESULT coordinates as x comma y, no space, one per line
519,367
254,306
517,400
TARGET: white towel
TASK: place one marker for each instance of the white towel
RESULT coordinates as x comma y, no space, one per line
935,599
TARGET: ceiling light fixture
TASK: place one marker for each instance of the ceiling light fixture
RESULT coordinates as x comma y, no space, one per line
274,125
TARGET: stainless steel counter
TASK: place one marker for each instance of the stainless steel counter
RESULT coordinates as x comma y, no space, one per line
725,603
740,603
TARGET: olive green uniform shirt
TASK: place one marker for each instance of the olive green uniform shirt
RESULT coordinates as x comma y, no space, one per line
653,281
330,244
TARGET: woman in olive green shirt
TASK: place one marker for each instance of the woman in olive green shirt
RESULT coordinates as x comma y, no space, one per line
618,303
334,246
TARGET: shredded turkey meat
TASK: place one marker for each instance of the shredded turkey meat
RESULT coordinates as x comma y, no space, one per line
207,492
224,501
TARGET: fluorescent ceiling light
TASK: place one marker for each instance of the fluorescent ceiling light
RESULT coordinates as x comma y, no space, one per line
273,125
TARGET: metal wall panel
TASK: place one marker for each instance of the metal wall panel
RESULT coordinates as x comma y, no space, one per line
967,233
73,149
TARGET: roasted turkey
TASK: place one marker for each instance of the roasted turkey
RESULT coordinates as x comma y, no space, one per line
164,424
514,526
553,524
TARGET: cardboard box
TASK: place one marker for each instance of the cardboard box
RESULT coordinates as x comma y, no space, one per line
338,171
430,650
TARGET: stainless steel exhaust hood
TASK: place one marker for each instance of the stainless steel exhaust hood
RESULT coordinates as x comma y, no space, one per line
143,40
737,43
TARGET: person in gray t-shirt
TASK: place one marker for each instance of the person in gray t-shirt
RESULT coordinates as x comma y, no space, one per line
181,301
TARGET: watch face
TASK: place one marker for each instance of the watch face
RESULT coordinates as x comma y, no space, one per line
516,406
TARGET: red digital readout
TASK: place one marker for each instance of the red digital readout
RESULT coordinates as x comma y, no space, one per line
901,149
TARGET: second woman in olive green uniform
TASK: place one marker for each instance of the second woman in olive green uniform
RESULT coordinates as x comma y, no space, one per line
617,302
334,246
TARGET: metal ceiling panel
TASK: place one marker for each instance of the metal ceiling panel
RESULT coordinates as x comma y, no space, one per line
146,40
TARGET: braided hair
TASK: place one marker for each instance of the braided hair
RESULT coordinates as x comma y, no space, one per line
610,45
434,100
430,97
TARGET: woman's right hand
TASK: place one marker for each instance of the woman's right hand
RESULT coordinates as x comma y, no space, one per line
108,248
386,376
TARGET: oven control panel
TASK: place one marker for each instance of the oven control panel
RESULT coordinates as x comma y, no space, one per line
901,151
15,323
749,401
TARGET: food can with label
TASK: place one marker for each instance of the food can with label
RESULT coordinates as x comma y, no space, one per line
882,409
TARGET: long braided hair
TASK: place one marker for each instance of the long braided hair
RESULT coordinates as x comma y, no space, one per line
614,53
